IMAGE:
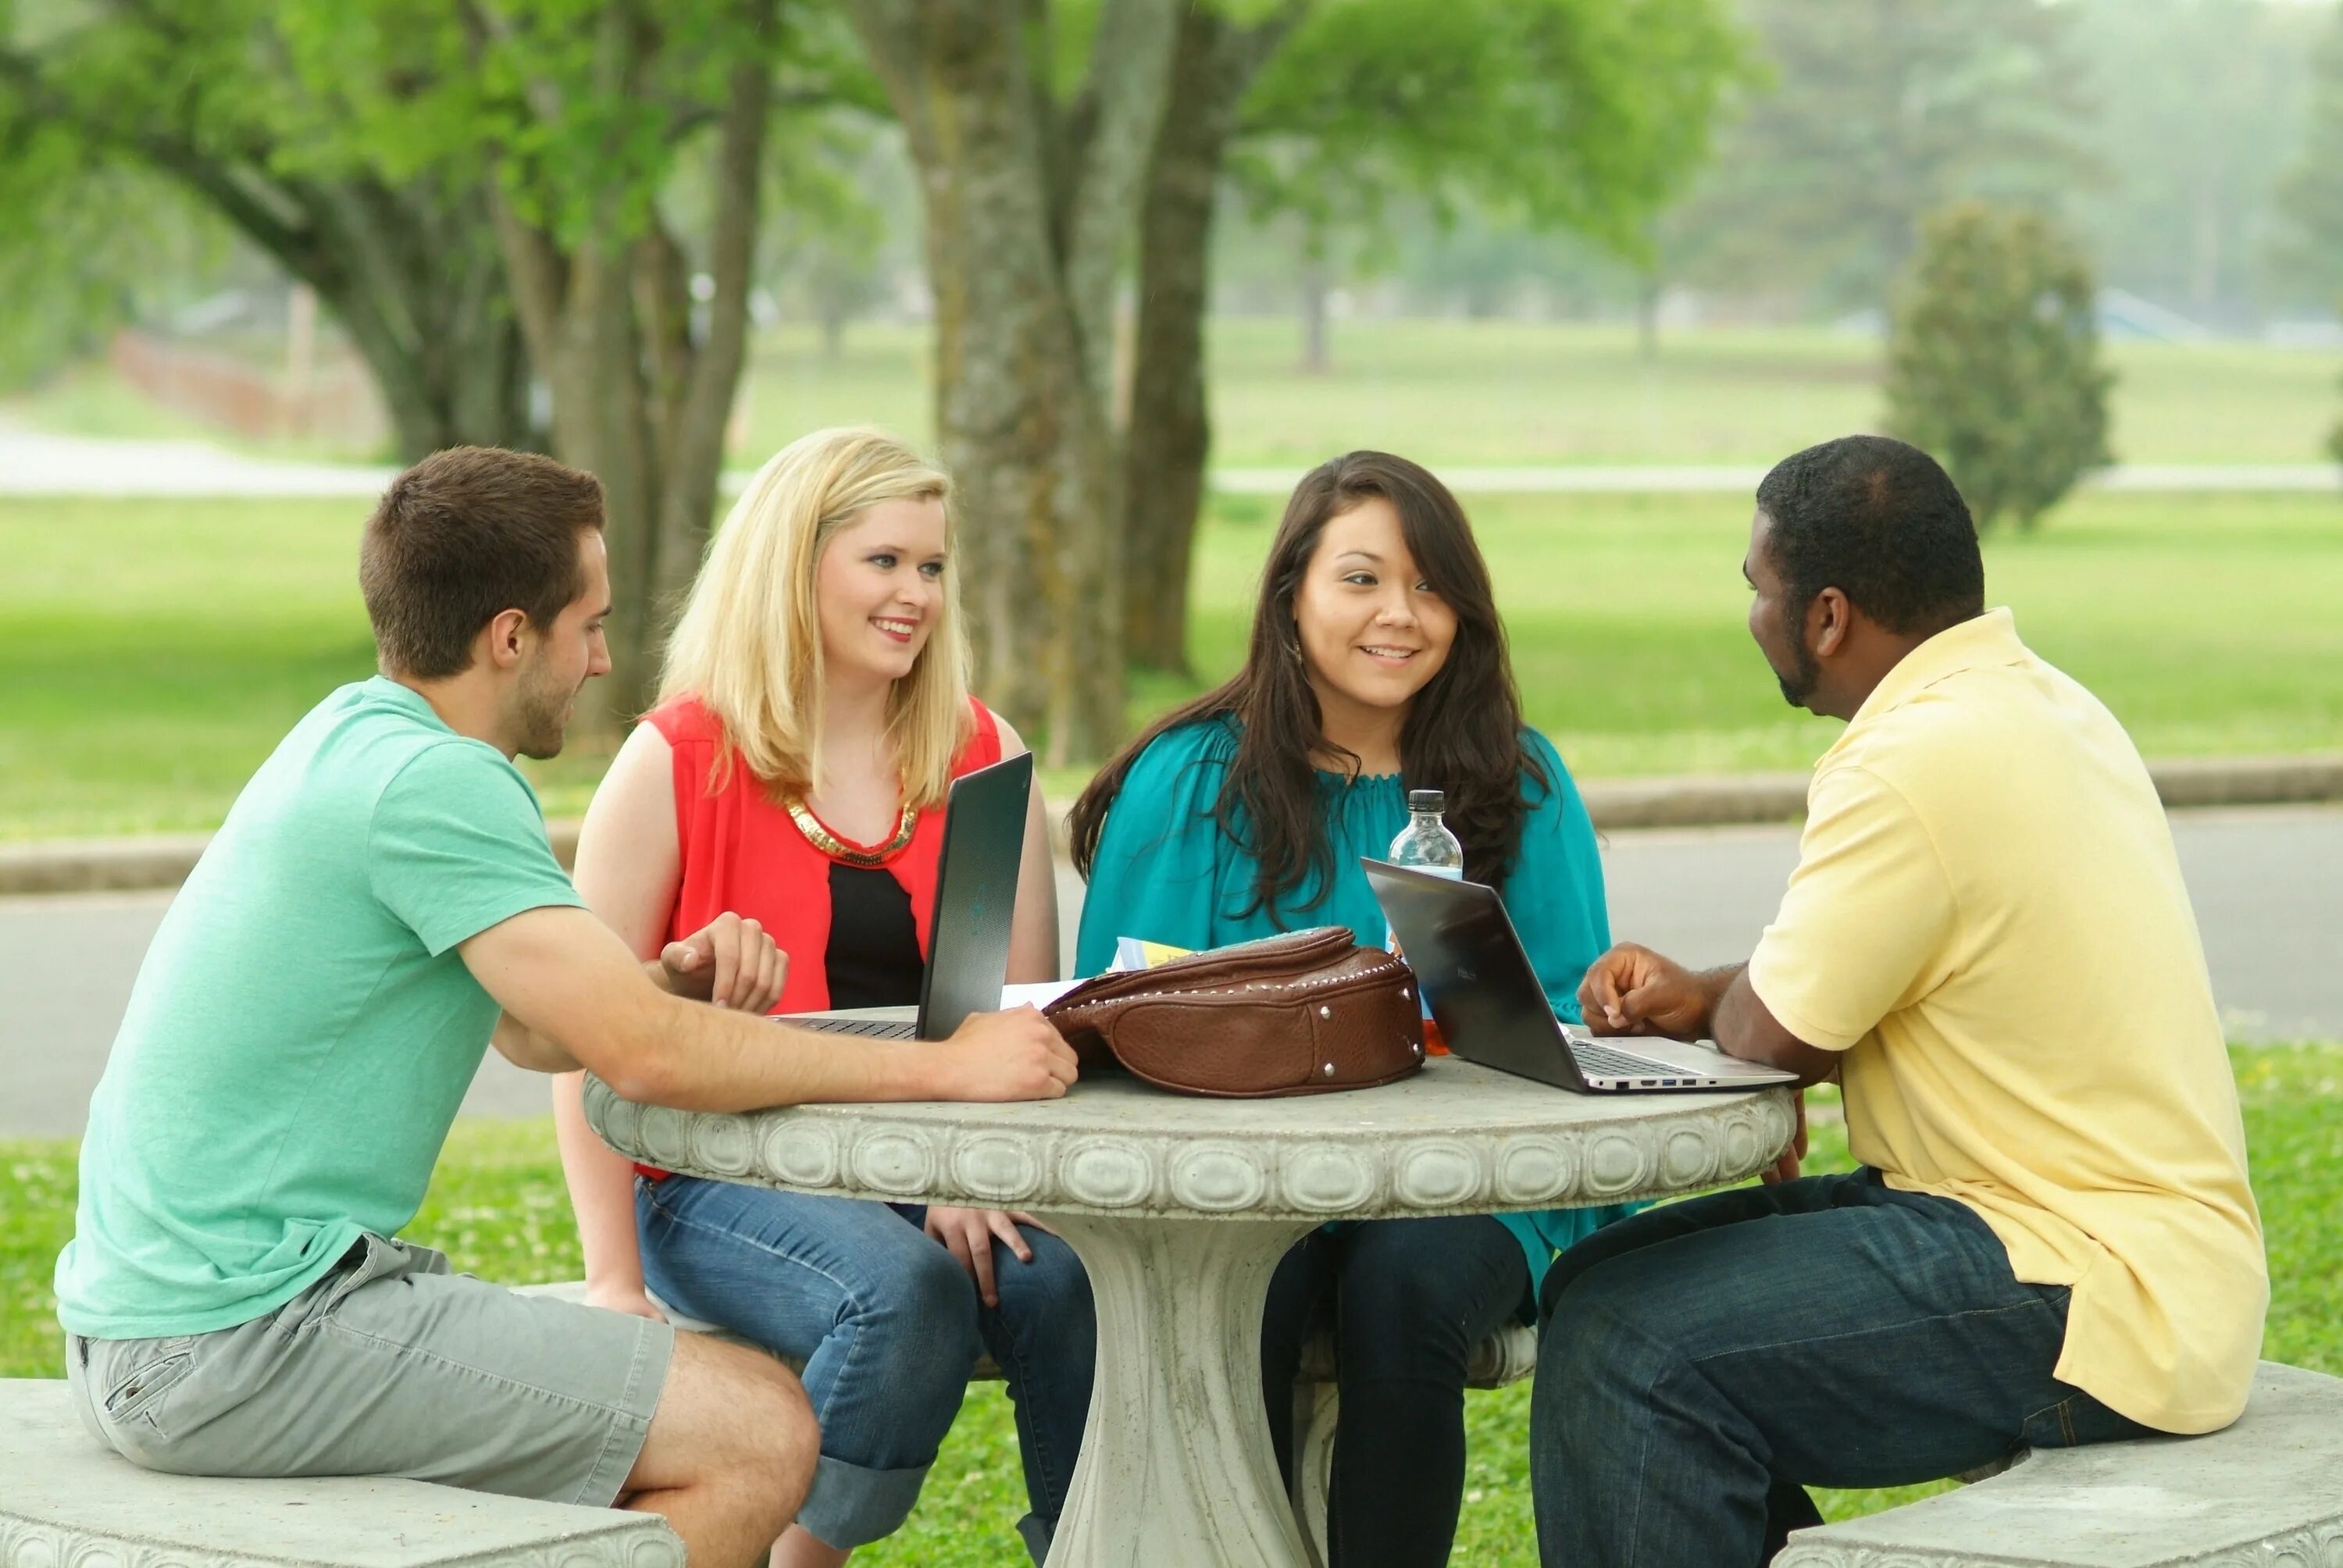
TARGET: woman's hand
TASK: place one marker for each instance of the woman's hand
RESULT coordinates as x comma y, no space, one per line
968,1233
631,1300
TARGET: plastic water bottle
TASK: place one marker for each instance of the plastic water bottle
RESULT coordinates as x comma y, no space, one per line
1425,844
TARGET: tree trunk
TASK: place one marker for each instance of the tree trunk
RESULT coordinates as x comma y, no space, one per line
640,399
1030,205
1170,431
1316,359
414,275
411,270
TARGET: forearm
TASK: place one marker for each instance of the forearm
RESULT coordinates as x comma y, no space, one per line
537,1052
602,1192
571,981
1742,1026
527,1050
694,1057
1715,985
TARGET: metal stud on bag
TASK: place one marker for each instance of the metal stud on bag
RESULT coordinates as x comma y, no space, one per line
1330,1070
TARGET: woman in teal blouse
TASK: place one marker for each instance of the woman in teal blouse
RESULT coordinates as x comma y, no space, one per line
1377,664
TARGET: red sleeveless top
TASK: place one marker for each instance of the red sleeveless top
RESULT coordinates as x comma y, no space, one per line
741,851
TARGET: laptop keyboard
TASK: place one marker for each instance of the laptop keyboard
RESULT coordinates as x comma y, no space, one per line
869,1029
1603,1061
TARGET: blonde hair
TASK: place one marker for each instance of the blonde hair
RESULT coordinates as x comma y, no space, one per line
749,643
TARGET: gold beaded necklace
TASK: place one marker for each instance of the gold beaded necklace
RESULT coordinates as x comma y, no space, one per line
845,851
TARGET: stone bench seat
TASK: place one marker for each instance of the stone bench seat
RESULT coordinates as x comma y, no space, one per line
68,1502
1507,1356
2266,1493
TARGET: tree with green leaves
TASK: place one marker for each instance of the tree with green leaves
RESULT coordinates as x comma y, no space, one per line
1881,112
1992,362
2199,106
2312,196
619,151
95,244
480,189
203,94
1582,115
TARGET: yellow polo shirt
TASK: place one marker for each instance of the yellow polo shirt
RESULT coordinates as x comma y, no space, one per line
1987,919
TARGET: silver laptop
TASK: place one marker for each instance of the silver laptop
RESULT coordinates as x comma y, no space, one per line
976,895
1492,1009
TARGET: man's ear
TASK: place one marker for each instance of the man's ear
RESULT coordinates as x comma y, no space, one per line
1829,620
504,639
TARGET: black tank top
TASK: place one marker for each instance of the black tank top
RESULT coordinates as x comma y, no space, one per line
873,957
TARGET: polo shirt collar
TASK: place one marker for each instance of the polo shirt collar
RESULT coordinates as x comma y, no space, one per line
1979,643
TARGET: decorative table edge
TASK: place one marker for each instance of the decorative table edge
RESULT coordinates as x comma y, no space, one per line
1254,1176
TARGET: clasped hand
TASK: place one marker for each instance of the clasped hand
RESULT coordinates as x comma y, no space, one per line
1631,989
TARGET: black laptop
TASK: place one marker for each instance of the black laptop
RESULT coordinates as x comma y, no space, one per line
1492,1009
976,895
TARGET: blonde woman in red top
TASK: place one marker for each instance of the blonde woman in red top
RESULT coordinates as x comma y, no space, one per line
813,710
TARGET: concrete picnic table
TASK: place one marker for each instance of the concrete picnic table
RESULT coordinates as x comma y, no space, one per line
1180,1208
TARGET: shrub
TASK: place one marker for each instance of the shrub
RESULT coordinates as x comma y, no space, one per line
1993,360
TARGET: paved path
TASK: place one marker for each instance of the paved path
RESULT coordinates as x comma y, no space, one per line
2265,883
41,463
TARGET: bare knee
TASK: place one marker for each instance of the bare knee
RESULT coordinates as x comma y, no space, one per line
735,1420
785,1441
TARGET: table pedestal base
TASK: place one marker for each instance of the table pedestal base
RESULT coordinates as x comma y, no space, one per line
1176,1466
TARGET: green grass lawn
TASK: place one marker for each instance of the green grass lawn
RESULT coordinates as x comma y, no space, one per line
152,653
498,1208
1514,392
1477,392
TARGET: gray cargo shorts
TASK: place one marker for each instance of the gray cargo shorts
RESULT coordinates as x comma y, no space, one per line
389,1365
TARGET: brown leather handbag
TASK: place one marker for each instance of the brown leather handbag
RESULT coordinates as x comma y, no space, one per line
1301,1013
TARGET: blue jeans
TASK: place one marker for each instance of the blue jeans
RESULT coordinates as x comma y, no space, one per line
888,1327
1407,1301
1704,1362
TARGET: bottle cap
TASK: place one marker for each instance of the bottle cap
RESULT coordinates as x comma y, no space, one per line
1426,800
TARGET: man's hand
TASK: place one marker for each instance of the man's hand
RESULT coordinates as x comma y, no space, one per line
729,962
1632,990
968,1235
1786,1167
1013,1055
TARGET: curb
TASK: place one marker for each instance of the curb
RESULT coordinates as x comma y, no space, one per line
164,860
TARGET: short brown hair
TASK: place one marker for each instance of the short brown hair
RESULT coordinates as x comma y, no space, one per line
464,536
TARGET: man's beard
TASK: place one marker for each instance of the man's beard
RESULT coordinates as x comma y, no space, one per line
1799,684
543,720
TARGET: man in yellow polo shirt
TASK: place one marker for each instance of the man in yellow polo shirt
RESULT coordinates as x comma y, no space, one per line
1987,941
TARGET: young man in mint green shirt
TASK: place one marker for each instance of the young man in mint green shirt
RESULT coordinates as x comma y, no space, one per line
380,906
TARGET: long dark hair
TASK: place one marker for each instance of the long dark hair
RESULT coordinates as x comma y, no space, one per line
1464,731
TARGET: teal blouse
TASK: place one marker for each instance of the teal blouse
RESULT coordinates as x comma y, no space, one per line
1165,874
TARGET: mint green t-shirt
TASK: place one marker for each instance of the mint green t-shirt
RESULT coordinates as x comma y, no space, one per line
302,1030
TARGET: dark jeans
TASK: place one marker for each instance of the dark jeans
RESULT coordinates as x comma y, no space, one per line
1408,1300
1703,1362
